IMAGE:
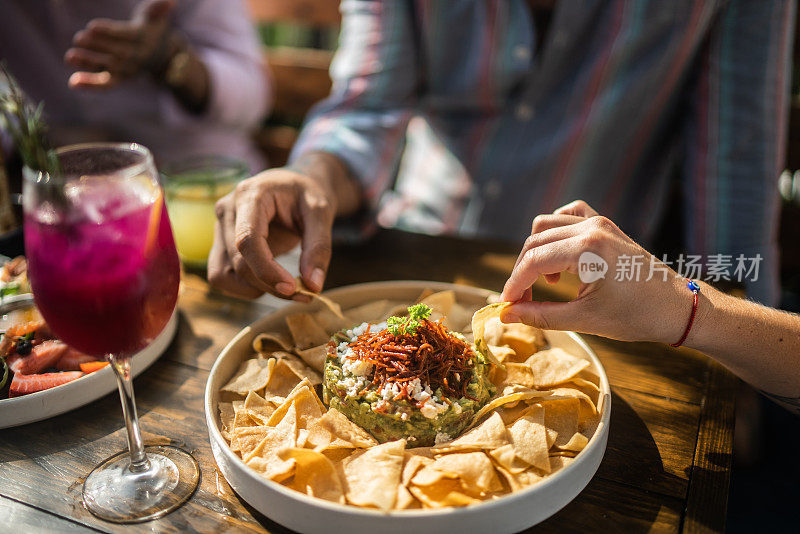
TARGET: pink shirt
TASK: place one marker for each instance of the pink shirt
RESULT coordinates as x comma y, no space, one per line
35,34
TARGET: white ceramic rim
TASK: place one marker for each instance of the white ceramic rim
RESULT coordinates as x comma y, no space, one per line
604,404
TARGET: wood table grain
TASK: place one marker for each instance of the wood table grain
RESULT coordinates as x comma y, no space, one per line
667,466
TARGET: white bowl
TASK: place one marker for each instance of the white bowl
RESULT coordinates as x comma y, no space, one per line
66,397
302,513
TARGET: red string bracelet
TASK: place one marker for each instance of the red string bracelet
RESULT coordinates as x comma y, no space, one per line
695,289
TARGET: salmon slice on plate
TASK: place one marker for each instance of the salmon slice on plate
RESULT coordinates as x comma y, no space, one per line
25,384
42,356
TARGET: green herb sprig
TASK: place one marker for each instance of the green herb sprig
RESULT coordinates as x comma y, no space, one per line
27,127
409,324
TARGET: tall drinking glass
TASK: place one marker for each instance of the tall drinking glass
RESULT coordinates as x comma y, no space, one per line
104,274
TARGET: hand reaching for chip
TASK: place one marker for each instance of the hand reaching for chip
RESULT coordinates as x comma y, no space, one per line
760,344
566,241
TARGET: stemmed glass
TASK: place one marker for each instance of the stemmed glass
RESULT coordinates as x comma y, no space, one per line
105,274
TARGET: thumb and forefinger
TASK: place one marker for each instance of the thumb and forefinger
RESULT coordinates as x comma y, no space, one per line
554,257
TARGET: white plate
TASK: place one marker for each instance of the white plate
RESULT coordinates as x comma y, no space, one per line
302,513
60,399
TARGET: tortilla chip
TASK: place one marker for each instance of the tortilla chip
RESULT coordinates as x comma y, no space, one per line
320,439
427,292
459,317
585,385
272,468
343,428
479,320
229,396
510,413
589,426
421,451
511,481
237,406
513,374
440,303
337,455
529,478
241,419
371,312
305,401
405,500
269,342
508,399
586,409
305,331
302,437
561,415
490,434
529,439
563,454
447,492
258,408
332,306
226,415
576,443
550,434
555,366
473,469
298,367
523,339
252,375
314,474
244,439
412,464
330,322
506,457
503,353
559,462
283,435
282,380
315,357
372,476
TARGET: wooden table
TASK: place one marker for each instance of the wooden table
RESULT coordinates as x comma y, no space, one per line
667,466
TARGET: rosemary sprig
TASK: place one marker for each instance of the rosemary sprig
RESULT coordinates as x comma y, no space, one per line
27,127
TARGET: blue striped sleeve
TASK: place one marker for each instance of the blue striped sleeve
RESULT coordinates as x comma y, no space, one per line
375,81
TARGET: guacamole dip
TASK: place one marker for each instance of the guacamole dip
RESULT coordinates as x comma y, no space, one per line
410,378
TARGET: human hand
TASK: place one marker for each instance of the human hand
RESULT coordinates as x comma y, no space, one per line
654,309
265,216
108,52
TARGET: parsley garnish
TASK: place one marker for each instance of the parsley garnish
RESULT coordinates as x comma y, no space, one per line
408,325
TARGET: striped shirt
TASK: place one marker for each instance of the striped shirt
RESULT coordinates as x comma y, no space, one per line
454,121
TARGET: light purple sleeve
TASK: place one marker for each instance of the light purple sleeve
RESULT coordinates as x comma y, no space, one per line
224,37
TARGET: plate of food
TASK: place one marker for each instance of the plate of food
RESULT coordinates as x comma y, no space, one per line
394,407
13,277
41,377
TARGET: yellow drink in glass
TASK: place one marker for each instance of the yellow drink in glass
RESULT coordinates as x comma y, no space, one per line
192,190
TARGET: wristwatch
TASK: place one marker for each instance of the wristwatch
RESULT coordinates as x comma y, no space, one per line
177,69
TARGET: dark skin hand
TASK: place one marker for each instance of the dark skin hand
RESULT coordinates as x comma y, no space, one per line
268,215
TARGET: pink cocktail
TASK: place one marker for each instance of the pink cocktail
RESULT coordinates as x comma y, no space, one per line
106,280
104,273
